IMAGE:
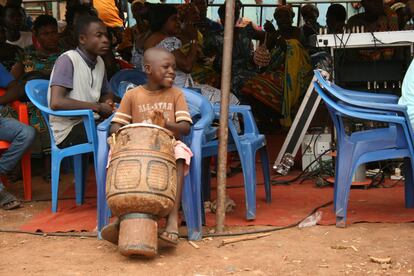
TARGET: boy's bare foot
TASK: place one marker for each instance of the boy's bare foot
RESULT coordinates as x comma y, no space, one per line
170,234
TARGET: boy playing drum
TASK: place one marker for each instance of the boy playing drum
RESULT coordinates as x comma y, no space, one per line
158,102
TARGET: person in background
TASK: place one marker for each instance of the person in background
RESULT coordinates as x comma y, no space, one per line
73,12
310,14
12,17
39,61
242,55
110,12
375,18
20,137
400,9
335,18
8,52
132,46
205,24
27,20
84,88
202,71
165,29
283,82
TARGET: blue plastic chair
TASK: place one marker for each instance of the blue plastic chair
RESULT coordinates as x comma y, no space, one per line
246,144
36,90
394,141
120,81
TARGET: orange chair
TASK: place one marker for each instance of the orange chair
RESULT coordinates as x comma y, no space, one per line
23,116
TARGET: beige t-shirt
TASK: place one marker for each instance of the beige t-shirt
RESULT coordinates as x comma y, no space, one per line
138,102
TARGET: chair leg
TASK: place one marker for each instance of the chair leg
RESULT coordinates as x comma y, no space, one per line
77,160
248,160
27,176
266,173
409,184
205,179
191,217
343,186
55,181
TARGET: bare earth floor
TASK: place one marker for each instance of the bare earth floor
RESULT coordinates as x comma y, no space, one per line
319,250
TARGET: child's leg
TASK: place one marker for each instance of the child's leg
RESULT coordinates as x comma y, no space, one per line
171,231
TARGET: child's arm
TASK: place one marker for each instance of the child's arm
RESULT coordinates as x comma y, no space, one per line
114,127
179,129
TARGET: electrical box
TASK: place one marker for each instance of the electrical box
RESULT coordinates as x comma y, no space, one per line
313,145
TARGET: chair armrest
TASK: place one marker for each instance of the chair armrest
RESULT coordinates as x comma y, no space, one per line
21,109
106,124
246,112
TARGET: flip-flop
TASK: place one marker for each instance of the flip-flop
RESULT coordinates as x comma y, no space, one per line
164,237
110,232
8,201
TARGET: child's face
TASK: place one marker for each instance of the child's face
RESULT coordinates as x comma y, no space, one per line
161,70
95,40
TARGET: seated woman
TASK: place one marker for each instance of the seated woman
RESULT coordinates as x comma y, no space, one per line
39,61
165,28
34,64
281,85
202,72
242,60
131,47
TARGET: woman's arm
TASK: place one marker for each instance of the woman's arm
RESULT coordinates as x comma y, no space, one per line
185,62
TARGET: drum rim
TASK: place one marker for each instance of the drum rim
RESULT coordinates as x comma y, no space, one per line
146,125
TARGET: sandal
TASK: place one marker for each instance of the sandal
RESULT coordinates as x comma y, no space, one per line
164,236
8,201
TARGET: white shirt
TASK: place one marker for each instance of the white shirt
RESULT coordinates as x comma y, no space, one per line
407,92
24,40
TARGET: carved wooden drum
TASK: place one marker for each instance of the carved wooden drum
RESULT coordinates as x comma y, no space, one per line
141,184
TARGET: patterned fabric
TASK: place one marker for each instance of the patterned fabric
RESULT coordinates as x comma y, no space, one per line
184,80
35,60
242,62
283,83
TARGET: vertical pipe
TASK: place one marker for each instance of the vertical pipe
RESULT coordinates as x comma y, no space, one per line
224,112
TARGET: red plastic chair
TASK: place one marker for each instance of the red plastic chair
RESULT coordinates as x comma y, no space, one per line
23,117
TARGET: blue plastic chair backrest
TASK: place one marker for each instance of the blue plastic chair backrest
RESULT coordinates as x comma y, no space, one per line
198,105
36,90
123,78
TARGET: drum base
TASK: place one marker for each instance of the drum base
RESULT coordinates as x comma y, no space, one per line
138,235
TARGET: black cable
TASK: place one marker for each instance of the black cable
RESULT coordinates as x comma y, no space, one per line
276,182
90,235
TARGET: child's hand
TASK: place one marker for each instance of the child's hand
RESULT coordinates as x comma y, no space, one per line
157,117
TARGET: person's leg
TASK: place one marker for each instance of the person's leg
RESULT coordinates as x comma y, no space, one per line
171,231
20,137
76,136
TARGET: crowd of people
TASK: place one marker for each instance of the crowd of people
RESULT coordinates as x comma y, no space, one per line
272,65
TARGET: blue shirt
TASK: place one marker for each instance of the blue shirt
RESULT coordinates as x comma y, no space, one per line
5,77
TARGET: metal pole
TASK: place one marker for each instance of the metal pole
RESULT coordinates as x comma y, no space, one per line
224,112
